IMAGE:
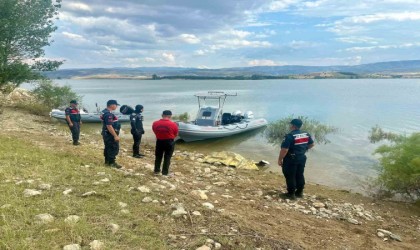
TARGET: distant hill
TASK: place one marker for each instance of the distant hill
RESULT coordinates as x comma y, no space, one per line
381,69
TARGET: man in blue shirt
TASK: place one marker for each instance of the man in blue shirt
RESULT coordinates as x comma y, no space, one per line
110,131
292,159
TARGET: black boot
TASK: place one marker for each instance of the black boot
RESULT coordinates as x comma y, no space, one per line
299,193
113,164
289,196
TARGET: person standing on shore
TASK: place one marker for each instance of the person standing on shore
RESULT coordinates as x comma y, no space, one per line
137,130
73,120
292,159
165,131
110,131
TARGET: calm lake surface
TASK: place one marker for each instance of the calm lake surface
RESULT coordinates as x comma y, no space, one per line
354,106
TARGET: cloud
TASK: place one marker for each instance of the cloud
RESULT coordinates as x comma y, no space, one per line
383,47
189,38
398,17
262,63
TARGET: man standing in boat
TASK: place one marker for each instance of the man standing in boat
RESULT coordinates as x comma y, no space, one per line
110,131
165,131
292,158
73,120
137,130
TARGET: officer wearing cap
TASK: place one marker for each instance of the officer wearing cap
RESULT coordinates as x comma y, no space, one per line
110,131
137,130
292,158
73,120
165,131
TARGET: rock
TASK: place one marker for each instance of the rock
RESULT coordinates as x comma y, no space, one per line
208,205
105,180
44,186
220,183
381,235
19,95
204,247
114,228
31,192
147,199
144,189
318,204
227,196
196,213
90,193
209,242
72,247
179,212
199,194
217,245
72,219
67,191
96,245
389,234
122,204
207,170
353,221
230,159
125,211
5,206
44,218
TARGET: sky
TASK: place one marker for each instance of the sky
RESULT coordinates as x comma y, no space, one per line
234,33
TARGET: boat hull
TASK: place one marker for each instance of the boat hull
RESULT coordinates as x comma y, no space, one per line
88,117
190,132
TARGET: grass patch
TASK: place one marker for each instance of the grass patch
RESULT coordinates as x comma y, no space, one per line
23,166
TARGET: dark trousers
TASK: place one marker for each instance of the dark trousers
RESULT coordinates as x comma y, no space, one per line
164,149
293,168
136,144
75,131
111,149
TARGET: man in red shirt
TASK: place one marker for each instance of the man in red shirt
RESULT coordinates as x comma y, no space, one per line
165,131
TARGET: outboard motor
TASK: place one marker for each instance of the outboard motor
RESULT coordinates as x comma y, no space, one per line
236,116
126,110
249,115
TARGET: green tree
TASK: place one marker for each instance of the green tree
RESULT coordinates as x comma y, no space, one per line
25,29
399,163
51,95
277,130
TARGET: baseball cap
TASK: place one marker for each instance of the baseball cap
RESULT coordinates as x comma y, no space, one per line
297,122
166,112
73,101
111,102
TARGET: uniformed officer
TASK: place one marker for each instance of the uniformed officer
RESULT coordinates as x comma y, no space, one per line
292,158
73,120
110,131
165,131
137,130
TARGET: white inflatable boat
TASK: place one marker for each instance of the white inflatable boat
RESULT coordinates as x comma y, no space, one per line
211,122
86,116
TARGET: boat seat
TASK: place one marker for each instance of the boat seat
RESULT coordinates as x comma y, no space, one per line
226,118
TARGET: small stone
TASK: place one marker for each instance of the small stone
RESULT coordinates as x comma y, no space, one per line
217,245
114,228
72,247
96,245
105,180
147,200
318,204
67,191
196,213
381,235
207,170
210,241
44,218
172,237
122,204
6,206
72,219
31,192
353,221
144,189
204,247
208,205
200,194
179,212
90,193
44,186
125,211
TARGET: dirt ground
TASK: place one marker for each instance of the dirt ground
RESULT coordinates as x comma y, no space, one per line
249,213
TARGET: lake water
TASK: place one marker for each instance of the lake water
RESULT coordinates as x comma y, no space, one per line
354,106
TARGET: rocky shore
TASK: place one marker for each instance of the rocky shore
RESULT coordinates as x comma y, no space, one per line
218,201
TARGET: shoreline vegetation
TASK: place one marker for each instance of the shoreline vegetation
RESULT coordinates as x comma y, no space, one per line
55,195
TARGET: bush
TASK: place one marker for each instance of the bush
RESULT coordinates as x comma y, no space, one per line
276,131
53,96
399,164
184,117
